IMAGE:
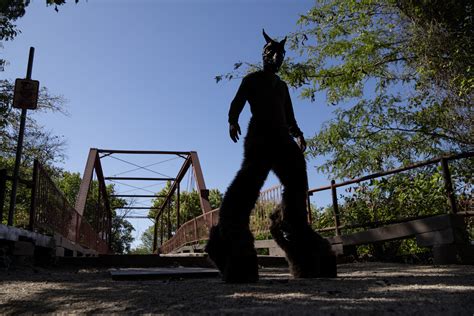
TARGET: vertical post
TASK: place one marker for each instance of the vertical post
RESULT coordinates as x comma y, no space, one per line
98,210
178,221
195,230
78,227
162,231
34,187
155,236
310,216
3,187
335,207
19,147
169,220
109,228
448,186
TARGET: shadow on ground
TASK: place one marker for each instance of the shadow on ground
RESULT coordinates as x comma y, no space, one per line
360,288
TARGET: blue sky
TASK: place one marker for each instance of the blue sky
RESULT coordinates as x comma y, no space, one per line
140,75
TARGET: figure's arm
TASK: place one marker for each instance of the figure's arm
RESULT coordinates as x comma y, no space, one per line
236,108
291,121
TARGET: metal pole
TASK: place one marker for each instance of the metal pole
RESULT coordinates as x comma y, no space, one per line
19,148
448,185
335,207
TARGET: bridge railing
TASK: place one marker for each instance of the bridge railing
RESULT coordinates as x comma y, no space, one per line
51,213
197,229
448,188
92,204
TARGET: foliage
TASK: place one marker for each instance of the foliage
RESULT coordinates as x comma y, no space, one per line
12,10
39,143
420,192
400,93
146,247
391,58
121,235
396,197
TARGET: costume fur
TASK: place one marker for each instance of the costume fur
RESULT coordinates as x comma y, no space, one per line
269,146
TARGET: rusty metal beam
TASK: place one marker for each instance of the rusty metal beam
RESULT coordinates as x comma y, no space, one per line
137,208
204,193
144,152
140,179
138,195
140,217
86,182
179,177
393,171
100,177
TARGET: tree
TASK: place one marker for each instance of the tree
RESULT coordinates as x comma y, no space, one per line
12,10
146,247
400,93
121,235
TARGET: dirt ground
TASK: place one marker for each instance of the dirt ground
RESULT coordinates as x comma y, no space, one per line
361,288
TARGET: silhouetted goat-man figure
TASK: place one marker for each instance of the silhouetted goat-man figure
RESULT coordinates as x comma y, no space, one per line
269,145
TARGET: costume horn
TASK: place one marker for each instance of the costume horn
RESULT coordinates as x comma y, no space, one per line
267,38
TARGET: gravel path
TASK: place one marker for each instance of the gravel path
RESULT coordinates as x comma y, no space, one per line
368,288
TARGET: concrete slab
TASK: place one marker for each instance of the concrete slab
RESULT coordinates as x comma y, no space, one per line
162,273
155,261
15,234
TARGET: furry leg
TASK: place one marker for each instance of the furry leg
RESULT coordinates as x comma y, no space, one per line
235,257
231,244
308,254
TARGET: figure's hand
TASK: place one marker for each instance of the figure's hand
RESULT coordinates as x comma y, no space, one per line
234,132
301,143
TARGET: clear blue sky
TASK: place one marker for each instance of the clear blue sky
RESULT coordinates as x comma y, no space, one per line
140,75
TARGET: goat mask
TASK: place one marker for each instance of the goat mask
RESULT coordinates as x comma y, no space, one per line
273,53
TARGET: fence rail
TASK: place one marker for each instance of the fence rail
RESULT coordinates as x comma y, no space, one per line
450,195
197,229
51,212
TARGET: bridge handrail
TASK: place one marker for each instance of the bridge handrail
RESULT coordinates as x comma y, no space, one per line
394,171
180,238
197,229
446,175
51,212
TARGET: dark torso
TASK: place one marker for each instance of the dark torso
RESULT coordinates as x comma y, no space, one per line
267,95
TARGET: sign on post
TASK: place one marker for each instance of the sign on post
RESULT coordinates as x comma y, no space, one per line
26,94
